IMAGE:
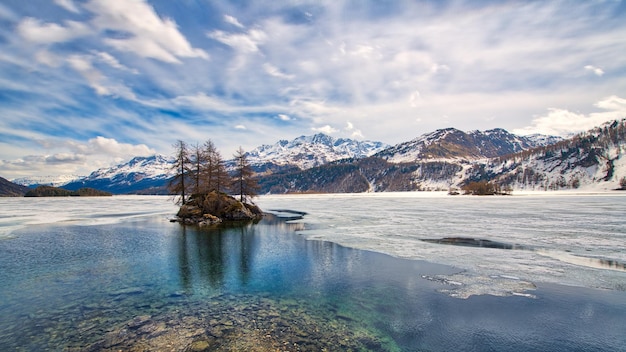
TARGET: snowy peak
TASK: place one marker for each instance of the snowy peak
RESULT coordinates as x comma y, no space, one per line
54,181
451,143
155,166
306,152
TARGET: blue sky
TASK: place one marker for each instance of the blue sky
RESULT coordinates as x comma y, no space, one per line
84,84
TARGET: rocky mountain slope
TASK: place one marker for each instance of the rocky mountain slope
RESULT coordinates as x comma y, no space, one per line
306,152
450,158
593,160
451,143
139,175
10,189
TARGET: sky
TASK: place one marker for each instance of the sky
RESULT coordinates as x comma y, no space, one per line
86,84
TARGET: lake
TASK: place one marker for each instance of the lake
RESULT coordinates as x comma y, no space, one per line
383,272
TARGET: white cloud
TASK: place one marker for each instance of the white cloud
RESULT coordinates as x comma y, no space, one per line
47,58
613,103
83,65
113,62
232,20
98,81
354,132
68,5
73,157
284,117
242,42
596,70
414,99
325,129
111,147
274,71
240,127
203,102
35,31
150,35
563,122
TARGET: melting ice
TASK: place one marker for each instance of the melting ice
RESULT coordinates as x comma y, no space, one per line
501,245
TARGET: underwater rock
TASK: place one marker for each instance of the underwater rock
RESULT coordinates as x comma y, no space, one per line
236,323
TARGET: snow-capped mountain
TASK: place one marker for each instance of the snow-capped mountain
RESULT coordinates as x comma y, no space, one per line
306,152
451,143
591,160
138,174
150,174
54,181
594,160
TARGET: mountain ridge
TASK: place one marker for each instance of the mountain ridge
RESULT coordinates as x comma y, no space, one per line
590,160
438,160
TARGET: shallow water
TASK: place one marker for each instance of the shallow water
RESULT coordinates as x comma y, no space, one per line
577,240
143,283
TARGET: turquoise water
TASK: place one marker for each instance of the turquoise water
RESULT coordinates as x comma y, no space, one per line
147,284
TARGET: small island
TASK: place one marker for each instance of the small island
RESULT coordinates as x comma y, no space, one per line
49,191
201,182
214,208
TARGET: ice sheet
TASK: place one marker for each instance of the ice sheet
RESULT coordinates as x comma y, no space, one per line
569,239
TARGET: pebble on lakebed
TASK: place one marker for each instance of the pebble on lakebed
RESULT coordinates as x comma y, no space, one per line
239,323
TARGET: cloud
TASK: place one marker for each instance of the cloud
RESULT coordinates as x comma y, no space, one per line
283,117
202,101
232,20
47,58
68,5
66,157
147,34
35,31
563,122
354,133
242,42
83,65
325,129
111,147
596,70
274,71
113,62
240,127
613,103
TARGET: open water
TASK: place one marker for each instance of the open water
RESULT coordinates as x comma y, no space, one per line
536,273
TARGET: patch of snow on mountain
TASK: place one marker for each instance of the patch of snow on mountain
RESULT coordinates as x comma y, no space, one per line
154,167
310,151
55,181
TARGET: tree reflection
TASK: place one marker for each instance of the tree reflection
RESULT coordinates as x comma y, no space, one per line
215,257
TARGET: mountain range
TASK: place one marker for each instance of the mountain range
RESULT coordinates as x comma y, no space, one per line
439,160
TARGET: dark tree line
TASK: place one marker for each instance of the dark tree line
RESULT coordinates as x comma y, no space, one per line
200,169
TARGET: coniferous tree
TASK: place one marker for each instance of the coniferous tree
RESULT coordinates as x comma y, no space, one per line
209,171
215,173
179,183
220,175
198,166
243,183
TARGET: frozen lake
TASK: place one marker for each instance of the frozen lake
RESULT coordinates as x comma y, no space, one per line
382,272
562,238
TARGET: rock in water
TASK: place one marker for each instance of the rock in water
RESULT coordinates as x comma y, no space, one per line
213,208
